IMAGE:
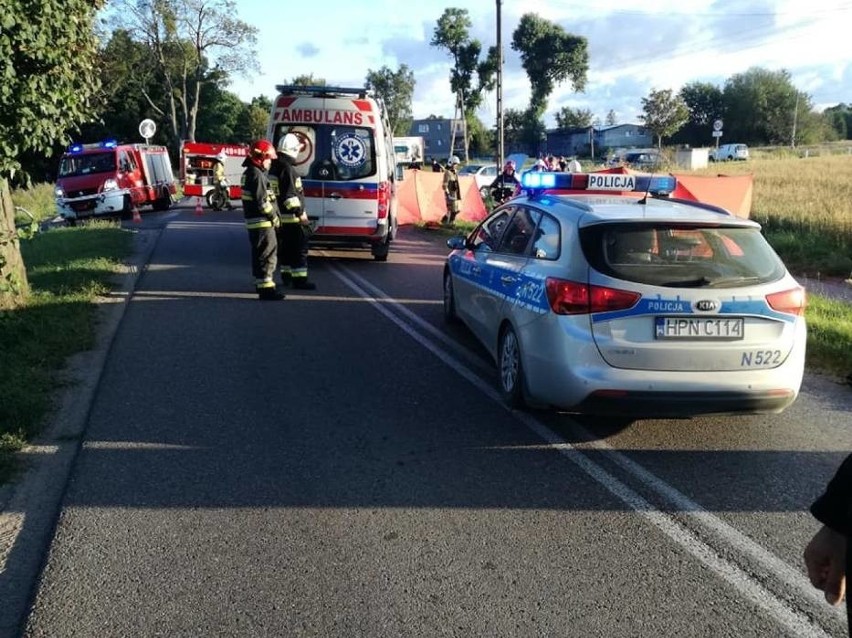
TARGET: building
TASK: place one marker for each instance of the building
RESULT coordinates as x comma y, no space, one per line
437,133
588,141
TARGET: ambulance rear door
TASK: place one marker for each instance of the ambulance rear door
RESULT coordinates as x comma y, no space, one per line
337,160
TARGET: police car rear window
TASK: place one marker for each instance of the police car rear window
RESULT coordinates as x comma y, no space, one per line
682,256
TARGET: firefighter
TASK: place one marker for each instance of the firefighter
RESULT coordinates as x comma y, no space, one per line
261,218
295,231
505,185
219,181
452,193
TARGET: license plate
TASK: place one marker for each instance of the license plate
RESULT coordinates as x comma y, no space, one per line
722,328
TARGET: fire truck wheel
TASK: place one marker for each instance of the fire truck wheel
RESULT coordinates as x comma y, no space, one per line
163,202
215,199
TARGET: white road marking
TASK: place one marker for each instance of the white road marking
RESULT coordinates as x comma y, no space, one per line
797,622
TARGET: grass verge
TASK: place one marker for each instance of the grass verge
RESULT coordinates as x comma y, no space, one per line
68,269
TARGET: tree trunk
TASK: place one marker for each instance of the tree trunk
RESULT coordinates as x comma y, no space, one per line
14,286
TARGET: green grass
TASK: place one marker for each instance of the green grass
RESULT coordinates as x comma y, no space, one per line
829,335
68,269
38,200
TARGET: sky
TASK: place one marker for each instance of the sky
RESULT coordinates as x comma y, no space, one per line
634,47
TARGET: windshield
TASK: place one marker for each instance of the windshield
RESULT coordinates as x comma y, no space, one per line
682,256
469,169
329,152
87,164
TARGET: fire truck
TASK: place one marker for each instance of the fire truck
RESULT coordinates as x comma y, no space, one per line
196,168
106,179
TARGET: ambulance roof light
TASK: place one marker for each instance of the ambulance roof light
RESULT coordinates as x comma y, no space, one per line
361,92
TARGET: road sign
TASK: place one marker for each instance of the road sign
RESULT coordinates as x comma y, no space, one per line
717,125
147,128
717,133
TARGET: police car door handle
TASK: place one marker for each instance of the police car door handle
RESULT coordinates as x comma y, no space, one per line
508,279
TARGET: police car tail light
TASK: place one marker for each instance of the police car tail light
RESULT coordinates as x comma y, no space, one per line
573,298
791,302
384,199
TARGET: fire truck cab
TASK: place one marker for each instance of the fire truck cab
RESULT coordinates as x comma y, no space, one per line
346,163
108,179
196,168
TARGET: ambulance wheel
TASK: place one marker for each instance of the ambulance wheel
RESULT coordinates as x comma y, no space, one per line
510,369
380,251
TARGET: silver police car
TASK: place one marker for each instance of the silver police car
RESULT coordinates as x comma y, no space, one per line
616,299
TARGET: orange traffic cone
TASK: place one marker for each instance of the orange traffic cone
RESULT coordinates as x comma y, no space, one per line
198,210
137,218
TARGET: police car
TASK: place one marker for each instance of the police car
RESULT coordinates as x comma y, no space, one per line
601,294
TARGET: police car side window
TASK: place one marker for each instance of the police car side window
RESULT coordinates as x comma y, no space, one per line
547,239
487,235
519,232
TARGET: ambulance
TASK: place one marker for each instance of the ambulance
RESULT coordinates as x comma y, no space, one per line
346,162
196,168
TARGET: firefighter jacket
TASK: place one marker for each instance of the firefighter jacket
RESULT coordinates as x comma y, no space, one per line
834,507
218,172
257,198
291,195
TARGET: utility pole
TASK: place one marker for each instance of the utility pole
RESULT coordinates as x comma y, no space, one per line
501,150
795,118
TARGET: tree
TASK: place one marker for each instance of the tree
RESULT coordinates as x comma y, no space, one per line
50,80
185,37
840,119
761,106
453,34
550,56
396,88
664,114
252,122
308,80
705,104
567,118
611,118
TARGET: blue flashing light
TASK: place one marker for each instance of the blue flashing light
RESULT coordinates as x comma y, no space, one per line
75,148
109,144
599,182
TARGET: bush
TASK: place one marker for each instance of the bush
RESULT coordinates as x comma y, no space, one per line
38,200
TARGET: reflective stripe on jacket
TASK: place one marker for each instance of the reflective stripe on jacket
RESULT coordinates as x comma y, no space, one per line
257,199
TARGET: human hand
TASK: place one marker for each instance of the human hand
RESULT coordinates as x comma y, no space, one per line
304,218
825,558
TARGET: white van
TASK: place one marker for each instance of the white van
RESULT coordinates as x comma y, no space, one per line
727,152
346,162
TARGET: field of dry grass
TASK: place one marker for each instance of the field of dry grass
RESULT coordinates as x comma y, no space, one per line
805,207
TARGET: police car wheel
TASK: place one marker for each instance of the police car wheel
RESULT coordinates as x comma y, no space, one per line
450,315
510,369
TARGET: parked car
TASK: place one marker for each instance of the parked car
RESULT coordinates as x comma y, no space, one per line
643,161
483,174
728,152
613,304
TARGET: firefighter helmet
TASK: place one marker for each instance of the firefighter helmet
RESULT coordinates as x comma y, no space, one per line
262,150
453,161
221,156
509,166
289,145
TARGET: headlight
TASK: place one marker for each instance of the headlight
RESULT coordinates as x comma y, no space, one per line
59,192
110,185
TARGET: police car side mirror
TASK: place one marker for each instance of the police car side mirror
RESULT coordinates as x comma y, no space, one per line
456,243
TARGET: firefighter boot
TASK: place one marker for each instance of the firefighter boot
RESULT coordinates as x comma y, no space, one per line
269,294
304,284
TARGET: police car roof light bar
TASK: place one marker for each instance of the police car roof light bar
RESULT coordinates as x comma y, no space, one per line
658,185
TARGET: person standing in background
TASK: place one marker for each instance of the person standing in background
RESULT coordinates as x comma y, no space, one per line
452,191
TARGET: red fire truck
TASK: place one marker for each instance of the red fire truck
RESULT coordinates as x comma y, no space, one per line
107,179
196,168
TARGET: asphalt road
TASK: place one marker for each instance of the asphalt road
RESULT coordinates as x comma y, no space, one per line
337,464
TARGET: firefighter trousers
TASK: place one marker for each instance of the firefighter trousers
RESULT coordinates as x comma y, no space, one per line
264,246
293,250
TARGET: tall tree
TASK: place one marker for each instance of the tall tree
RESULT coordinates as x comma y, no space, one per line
664,113
567,118
611,118
761,107
705,104
253,120
50,79
185,38
550,56
396,88
453,34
